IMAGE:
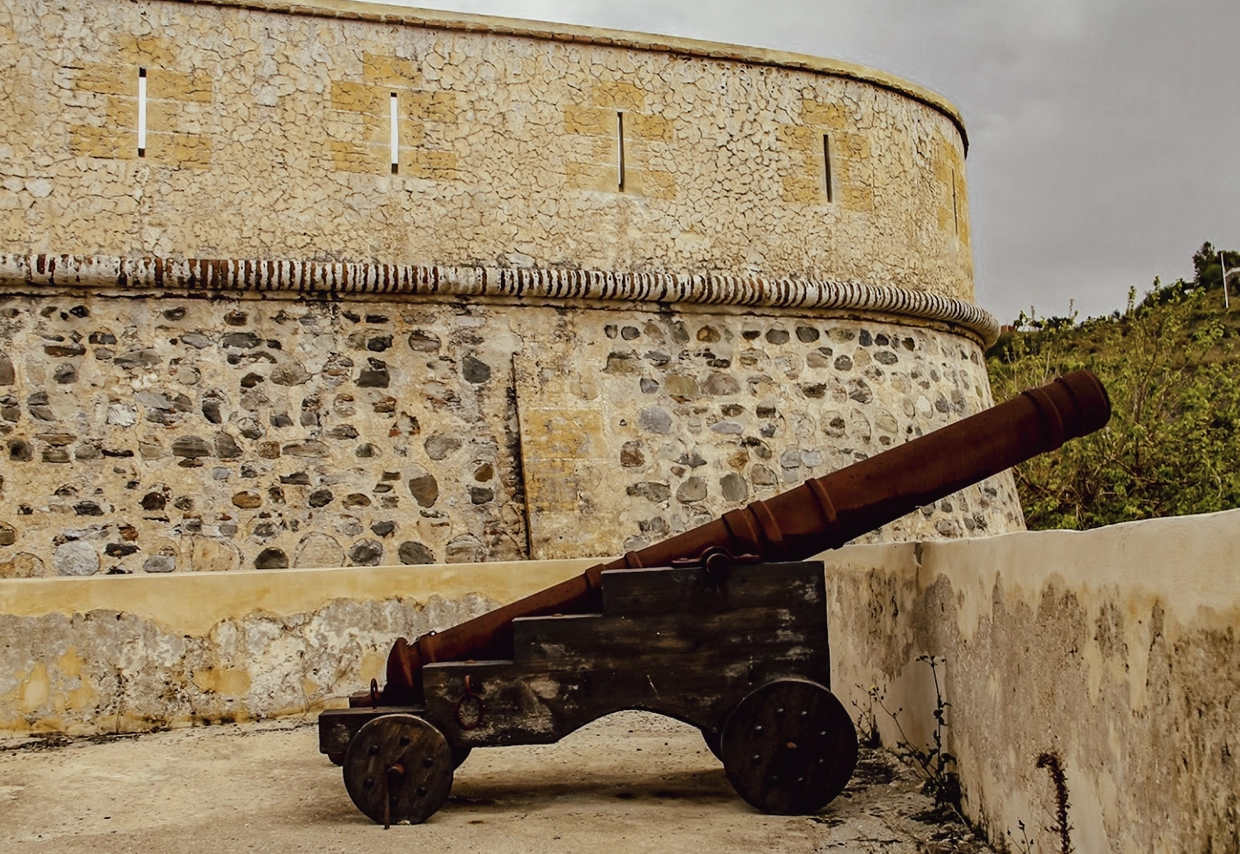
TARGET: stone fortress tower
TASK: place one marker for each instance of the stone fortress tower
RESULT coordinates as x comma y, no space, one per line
336,283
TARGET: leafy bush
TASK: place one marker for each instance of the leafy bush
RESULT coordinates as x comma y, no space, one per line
1170,366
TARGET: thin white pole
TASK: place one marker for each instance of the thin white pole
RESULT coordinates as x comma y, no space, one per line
1222,263
620,152
394,138
141,112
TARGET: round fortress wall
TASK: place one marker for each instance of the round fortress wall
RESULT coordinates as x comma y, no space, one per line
383,288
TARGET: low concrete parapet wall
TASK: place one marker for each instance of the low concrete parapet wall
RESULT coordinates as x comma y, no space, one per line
99,655
1115,650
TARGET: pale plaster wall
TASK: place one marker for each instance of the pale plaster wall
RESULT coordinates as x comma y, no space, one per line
98,655
1115,649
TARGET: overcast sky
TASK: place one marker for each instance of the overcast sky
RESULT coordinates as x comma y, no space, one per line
1104,134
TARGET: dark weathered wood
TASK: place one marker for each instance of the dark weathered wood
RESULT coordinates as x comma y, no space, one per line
744,632
337,727
789,747
746,628
398,768
690,591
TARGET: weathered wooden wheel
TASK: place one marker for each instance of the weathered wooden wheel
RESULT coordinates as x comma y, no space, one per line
789,747
398,768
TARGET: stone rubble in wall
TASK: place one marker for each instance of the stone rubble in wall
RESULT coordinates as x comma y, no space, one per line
175,434
241,438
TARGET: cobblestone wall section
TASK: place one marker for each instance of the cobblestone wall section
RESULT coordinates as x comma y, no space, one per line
692,415
174,434
157,435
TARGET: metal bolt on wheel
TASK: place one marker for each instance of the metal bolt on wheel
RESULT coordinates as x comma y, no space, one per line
398,768
789,747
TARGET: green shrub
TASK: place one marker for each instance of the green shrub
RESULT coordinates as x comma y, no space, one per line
1170,365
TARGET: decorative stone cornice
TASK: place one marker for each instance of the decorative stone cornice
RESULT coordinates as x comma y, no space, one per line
341,279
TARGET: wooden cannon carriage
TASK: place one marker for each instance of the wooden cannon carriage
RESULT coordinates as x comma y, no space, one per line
723,627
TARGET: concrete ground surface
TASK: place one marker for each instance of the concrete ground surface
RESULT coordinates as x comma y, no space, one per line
632,782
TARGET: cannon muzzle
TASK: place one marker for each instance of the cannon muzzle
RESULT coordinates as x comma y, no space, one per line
820,514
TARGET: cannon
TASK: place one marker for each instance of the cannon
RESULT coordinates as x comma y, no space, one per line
723,627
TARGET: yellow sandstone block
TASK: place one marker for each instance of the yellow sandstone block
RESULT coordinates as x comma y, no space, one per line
360,98
162,115
107,79
949,149
943,170
354,157
561,434
186,150
651,183
88,141
147,50
803,190
604,150
654,128
852,146
430,165
591,176
176,86
619,95
850,171
589,120
800,137
390,70
430,106
555,486
122,112
945,217
857,197
816,112
412,134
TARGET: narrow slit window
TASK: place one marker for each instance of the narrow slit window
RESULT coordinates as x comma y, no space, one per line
394,135
955,205
826,168
142,112
620,151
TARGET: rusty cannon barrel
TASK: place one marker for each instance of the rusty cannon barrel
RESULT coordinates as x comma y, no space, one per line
822,513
